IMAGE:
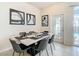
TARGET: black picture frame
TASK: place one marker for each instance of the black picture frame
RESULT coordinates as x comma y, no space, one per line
30,19
17,17
45,20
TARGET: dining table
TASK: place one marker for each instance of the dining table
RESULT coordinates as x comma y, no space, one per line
33,38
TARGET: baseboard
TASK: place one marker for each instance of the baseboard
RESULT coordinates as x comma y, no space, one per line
65,44
4,50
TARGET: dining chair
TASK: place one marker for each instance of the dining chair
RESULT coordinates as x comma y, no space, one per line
41,46
51,41
18,47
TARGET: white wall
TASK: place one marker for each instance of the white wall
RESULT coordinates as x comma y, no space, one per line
7,30
68,20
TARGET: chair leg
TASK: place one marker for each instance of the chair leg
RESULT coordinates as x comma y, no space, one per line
13,53
40,53
51,49
47,52
34,53
23,53
53,45
19,53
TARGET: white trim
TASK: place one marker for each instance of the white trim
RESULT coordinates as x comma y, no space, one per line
4,50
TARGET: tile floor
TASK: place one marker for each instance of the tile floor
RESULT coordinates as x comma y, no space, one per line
60,50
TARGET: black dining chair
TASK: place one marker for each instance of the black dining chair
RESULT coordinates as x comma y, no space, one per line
19,48
40,47
51,41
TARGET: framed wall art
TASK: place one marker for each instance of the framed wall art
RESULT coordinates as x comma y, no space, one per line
17,17
45,20
30,19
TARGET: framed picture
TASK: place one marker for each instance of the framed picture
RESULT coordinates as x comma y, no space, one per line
30,19
45,20
17,17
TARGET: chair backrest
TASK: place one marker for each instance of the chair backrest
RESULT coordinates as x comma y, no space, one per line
43,44
51,39
15,46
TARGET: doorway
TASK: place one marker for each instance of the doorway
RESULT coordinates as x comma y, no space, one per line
59,28
76,25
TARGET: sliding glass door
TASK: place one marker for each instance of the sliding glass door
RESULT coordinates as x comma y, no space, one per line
76,25
59,28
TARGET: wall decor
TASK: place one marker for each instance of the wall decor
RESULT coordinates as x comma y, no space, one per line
45,20
17,17
30,19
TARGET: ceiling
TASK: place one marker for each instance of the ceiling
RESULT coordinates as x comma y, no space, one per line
42,5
